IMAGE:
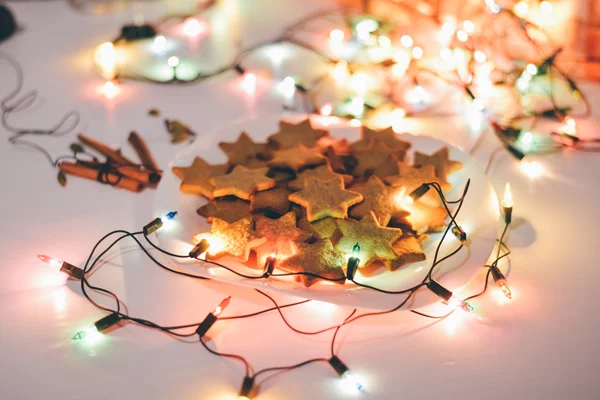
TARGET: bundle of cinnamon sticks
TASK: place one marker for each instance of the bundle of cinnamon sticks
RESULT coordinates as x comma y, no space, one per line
118,170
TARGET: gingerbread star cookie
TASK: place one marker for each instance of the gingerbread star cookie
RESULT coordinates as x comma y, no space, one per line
413,177
280,233
325,199
231,239
242,182
339,145
322,172
409,250
334,160
375,241
230,209
318,258
195,179
378,199
371,157
440,161
423,218
290,135
296,158
242,149
387,136
275,200
325,228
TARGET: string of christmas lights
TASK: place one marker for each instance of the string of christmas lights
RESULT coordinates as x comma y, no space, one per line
374,68
249,385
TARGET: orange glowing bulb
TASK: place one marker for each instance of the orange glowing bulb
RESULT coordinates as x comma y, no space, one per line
111,89
326,110
52,261
221,306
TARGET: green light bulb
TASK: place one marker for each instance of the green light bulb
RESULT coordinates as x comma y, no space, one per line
356,250
82,334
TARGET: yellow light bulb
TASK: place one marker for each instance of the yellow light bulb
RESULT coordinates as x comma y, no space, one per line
106,58
507,201
340,72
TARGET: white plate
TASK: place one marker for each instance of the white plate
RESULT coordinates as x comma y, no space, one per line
478,217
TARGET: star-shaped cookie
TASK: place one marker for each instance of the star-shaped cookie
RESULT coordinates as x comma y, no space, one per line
195,179
325,199
374,240
280,233
242,182
325,228
440,161
290,135
371,157
275,200
423,218
409,250
334,160
242,149
378,199
339,145
319,258
413,177
322,172
296,158
387,136
235,240
230,209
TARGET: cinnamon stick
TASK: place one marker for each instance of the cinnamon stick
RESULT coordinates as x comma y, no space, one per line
87,172
103,149
141,149
142,175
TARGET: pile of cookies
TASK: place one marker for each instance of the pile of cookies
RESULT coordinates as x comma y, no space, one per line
308,198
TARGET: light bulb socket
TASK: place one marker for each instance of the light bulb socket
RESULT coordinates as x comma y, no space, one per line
439,290
419,192
459,233
269,266
496,273
200,248
153,226
108,321
247,386
507,211
352,267
239,69
338,365
71,270
205,325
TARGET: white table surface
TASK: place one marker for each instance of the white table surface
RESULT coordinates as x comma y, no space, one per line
541,345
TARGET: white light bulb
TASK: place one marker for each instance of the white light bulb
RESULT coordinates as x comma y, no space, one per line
384,41
462,35
159,44
173,61
469,26
479,56
546,6
521,9
526,138
352,381
417,53
336,35
531,69
406,41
